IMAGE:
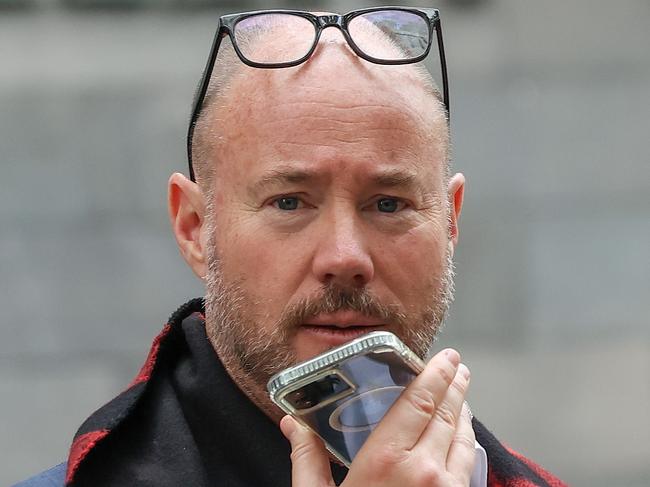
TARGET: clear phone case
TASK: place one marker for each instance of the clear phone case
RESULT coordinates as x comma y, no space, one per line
344,393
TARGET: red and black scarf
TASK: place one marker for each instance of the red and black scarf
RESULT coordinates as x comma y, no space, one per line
183,422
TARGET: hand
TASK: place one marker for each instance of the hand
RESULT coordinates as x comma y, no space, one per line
425,439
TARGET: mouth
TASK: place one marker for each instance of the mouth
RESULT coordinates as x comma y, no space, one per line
334,330
339,328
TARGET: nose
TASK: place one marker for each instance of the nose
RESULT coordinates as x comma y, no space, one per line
342,255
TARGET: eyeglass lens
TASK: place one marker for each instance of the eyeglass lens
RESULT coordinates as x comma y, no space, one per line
408,34
274,38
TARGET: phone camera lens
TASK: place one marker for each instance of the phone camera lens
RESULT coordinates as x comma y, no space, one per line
300,400
306,403
318,391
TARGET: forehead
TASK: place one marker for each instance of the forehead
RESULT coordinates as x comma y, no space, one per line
334,104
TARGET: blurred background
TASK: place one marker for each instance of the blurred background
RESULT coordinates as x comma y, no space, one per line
550,119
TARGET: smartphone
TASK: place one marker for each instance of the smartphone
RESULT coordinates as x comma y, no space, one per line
342,394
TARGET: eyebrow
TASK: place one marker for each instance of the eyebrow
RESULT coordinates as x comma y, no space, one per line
396,178
388,178
280,176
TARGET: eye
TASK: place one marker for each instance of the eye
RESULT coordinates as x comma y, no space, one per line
389,205
287,203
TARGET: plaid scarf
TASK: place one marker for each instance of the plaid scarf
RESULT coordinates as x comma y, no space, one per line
182,421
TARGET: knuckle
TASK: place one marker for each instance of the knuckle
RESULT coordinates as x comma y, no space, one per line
301,451
384,461
422,401
446,416
389,455
460,384
429,474
463,441
445,373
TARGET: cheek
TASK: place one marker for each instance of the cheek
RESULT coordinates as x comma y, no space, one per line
267,268
413,263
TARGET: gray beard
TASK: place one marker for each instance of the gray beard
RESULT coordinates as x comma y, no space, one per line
243,346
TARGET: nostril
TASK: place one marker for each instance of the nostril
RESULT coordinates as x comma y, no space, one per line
356,280
359,280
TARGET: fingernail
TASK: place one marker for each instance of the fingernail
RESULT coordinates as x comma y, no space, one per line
464,371
288,427
453,356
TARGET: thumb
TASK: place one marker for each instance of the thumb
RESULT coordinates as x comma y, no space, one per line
310,462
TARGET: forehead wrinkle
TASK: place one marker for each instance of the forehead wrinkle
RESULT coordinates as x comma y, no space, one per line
324,116
316,117
348,100
335,138
347,123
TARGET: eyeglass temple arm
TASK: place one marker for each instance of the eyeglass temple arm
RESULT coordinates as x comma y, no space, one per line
443,66
200,95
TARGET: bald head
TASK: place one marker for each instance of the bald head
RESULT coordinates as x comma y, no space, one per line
247,105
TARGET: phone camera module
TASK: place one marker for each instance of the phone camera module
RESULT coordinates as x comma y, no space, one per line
318,391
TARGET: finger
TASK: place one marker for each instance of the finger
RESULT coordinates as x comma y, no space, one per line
310,462
440,432
462,453
405,421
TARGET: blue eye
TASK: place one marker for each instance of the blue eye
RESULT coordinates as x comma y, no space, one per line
287,203
387,205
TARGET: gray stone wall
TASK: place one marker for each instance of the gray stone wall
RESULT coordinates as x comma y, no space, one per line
550,118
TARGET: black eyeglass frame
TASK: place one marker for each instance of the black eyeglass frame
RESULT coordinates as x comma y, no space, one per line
227,25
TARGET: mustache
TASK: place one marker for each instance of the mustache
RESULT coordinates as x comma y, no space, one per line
334,298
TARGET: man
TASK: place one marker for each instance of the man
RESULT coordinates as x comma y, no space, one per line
323,208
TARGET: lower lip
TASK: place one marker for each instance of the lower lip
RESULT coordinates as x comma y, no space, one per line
337,336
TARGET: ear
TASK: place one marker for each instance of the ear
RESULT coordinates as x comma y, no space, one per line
455,192
186,206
